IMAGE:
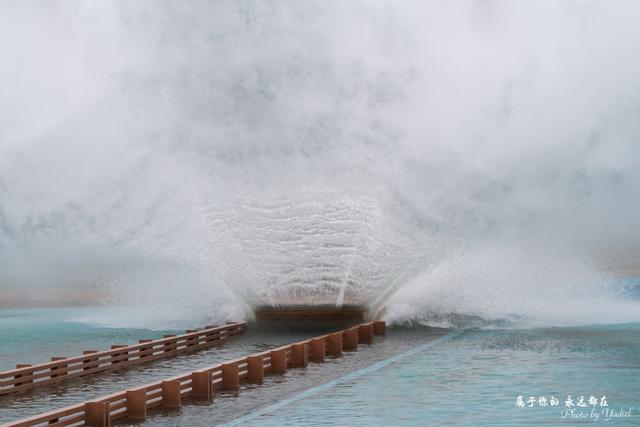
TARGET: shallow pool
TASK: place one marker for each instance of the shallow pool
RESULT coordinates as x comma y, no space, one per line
414,376
225,407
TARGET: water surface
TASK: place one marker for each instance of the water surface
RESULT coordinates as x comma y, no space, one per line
474,378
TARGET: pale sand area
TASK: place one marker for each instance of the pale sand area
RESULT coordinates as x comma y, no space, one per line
50,297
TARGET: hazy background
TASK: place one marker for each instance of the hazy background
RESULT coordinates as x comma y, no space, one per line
462,158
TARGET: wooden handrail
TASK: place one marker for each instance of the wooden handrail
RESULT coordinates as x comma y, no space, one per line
100,412
27,377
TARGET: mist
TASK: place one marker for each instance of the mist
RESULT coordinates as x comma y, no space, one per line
443,160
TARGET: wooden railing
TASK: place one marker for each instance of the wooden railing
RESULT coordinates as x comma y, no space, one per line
26,377
201,384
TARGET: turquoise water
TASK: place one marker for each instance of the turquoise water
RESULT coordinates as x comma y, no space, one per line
414,376
34,335
474,378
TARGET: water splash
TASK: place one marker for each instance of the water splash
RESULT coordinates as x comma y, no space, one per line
421,156
499,285
311,246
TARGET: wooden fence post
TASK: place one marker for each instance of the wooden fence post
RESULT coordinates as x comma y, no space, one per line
191,341
147,350
202,385
350,342
299,355
26,374
97,414
230,376
335,344
211,337
60,371
88,363
171,345
136,405
255,368
171,394
365,333
119,354
278,361
317,350
379,327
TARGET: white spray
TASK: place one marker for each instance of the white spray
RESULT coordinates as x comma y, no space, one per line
445,160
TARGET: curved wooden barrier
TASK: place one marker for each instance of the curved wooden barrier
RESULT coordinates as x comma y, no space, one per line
26,377
201,384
